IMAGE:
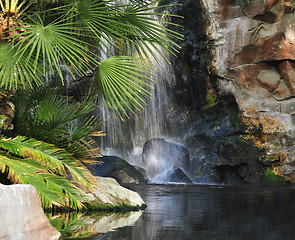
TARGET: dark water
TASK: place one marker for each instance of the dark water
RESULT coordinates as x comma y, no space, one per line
211,212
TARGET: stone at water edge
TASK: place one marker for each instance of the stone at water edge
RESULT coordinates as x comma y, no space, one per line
108,191
22,216
160,155
118,168
173,175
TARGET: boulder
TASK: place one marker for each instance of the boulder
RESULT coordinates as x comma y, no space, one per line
22,216
108,191
117,168
160,155
173,175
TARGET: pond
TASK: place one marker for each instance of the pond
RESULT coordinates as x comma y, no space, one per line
199,212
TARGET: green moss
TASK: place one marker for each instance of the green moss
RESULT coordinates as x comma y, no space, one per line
272,178
211,101
270,159
102,207
97,207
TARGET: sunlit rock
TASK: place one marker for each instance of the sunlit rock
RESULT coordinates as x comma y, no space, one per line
22,216
108,191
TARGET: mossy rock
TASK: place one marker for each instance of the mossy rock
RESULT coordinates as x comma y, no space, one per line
103,208
272,178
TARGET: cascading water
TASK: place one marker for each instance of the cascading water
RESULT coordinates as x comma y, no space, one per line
126,139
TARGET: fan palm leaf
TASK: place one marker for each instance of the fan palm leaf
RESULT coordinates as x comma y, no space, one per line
123,85
52,45
148,33
67,35
15,68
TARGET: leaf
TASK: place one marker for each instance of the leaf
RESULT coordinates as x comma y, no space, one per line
16,68
53,45
123,83
53,189
147,32
44,153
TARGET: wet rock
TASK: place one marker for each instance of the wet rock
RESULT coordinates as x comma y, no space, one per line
22,216
117,168
160,155
173,175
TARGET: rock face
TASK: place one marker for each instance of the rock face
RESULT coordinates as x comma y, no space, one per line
22,216
115,167
160,155
253,49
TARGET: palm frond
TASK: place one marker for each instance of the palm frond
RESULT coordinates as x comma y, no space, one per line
52,45
42,113
16,68
46,154
147,32
53,189
123,81
56,160
137,25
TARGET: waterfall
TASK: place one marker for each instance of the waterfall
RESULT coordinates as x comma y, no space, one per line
126,139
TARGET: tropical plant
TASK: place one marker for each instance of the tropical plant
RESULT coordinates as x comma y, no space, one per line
44,114
38,38
46,167
49,167
48,38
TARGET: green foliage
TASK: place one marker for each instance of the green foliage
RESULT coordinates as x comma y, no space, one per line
272,178
51,165
70,34
39,38
120,80
43,114
45,167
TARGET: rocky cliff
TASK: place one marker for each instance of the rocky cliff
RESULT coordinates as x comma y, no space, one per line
253,53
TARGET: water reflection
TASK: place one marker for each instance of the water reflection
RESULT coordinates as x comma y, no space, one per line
210,212
79,226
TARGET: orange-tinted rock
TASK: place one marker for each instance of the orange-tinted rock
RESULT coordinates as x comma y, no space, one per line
287,71
256,53
255,8
269,78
